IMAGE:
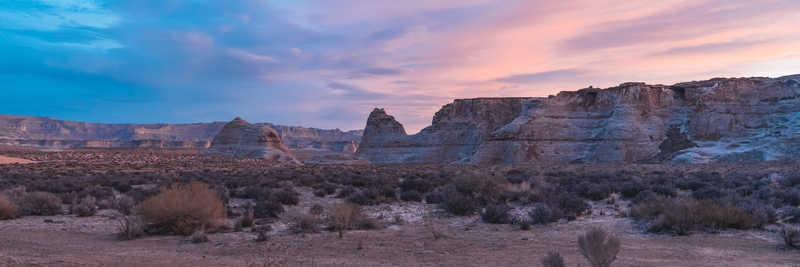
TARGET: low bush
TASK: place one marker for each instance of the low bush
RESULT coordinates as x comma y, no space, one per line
790,236
8,209
419,185
123,204
599,247
790,214
286,197
131,227
262,232
458,203
86,208
553,259
267,208
199,236
571,204
40,203
545,213
684,214
320,193
346,191
363,198
300,223
411,195
184,210
496,214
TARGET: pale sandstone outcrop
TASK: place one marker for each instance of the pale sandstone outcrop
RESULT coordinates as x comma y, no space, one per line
718,120
240,139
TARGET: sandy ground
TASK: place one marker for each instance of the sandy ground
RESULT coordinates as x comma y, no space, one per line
73,241
8,160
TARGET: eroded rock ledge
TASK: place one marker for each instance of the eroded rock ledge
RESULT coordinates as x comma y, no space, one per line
718,120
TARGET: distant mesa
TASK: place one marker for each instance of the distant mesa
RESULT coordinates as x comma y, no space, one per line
240,139
718,120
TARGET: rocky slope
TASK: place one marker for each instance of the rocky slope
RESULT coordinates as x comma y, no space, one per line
240,139
49,132
718,120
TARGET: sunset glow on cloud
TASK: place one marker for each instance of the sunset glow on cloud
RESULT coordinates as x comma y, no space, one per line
326,64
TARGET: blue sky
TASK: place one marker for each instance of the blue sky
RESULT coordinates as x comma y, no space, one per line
326,64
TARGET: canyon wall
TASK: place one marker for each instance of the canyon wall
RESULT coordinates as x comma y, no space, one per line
718,120
49,132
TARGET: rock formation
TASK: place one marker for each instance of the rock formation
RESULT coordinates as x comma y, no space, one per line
718,120
240,139
48,132
456,131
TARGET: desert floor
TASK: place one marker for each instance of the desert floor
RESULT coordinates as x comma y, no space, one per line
403,240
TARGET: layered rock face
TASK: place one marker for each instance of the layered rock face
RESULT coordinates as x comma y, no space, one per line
718,120
456,131
240,139
48,132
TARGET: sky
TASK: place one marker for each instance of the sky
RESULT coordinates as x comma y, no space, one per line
327,64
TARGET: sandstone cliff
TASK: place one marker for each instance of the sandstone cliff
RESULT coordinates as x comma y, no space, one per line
718,120
240,139
49,132
456,131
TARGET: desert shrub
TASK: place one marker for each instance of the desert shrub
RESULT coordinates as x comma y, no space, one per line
419,185
320,193
457,202
571,204
300,223
267,208
643,196
8,209
86,208
346,191
599,247
722,216
316,210
708,193
667,190
791,197
667,214
525,224
434,197
762,214
363,198
40,203
286,197
592,191
131,227
247,219
346,216
199,236
123,204
411,195
631,188
326,187
141,194
484,183
223,193
253,192
497,214
262,232
545,213
790,236
553,259
96,191
184,209
436,224
790,214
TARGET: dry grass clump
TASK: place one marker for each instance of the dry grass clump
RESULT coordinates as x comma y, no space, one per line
184,209
300,223
599,247
8,209
131,227
684,214
436,224
199,236
40,203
